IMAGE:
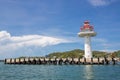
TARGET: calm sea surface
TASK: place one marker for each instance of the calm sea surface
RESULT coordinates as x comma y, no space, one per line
57,72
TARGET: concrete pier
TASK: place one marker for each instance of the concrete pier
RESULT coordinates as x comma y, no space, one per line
63,61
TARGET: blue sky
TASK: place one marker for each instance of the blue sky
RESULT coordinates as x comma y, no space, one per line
39,27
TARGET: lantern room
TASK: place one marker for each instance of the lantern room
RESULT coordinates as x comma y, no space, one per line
86,27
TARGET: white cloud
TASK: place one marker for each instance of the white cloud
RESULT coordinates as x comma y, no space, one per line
10,43
100,2
102,44
29,40
99,40
108,51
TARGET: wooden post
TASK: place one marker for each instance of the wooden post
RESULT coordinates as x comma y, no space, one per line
84,60
23,61
15,61
78,61
19,61
34,61
10,60
29,62
60,61
39,60
66,61
106,60
73,62
91,60
113,60
103,62
55,62
98,60
49,61
5,61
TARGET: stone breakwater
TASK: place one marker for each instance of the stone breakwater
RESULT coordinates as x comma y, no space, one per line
63,61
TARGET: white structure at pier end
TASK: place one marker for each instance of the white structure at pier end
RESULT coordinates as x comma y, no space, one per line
87,31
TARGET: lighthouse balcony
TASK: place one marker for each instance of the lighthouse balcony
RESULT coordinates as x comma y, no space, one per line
86,29
87,33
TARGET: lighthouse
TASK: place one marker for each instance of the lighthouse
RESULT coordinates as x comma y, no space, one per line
87,31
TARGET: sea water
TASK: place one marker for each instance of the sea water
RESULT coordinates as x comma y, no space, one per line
59,72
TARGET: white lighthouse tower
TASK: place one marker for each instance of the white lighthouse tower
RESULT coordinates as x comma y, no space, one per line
87,31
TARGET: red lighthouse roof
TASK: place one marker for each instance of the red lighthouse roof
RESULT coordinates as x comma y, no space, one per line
86,26
86,22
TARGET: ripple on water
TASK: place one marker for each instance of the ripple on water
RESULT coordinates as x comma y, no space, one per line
59,72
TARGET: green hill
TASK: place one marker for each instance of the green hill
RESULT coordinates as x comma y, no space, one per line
79,53
75,54
115,54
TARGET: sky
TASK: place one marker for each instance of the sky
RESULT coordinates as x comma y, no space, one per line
39,27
